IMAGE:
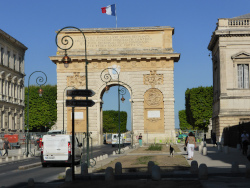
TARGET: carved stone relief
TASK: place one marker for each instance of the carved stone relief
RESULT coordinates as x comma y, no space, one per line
76,80
153,79
153,97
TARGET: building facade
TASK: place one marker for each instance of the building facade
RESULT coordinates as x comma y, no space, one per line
143,58
230,48
12,54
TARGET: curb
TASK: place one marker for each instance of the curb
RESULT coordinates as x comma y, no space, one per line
29,166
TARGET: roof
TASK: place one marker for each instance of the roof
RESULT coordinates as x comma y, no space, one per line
12,39
243,16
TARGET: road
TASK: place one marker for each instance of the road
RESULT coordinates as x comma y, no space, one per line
10,175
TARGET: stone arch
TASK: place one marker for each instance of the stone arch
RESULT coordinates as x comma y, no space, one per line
145,60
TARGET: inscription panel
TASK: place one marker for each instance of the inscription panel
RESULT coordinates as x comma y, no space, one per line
117,41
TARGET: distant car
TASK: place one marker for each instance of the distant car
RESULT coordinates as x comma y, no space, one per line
182,136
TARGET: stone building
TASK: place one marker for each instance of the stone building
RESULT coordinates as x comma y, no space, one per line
11,84
230,48
144,59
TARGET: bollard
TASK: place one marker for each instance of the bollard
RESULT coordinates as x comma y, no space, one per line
107,156
226,149
238,147
200,149
150,166
156,173
118,168
203,174
68,175
7,159
1,160
247,171
194,167
84,169
113,152
204,151
31,182
18,157
219,147
19,151
109,174
202,143
235,167
13,158
98,159
101,158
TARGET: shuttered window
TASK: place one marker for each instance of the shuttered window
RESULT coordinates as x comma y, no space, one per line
243,76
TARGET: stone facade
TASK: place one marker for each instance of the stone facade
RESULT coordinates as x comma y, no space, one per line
144,59
11,84
230,47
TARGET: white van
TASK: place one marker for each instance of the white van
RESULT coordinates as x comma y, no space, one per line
55,132
115,140
57,148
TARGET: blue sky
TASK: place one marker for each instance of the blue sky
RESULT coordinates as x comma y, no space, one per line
34,23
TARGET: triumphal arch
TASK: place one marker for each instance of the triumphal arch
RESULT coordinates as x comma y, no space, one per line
144,59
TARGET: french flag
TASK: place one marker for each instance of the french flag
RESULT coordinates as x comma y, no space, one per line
109,10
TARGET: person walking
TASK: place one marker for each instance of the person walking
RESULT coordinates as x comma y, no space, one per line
244,141
140,140
6,146
191,144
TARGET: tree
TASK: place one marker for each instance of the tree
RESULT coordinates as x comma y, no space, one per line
199,102
111,121
183,120
42,110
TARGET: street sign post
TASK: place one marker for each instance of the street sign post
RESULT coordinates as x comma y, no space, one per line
80,103
80,93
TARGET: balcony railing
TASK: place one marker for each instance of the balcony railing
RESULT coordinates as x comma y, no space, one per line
239,22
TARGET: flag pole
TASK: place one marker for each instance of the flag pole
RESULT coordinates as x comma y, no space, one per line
115,16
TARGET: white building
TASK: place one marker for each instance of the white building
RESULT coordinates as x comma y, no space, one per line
11,84
230,47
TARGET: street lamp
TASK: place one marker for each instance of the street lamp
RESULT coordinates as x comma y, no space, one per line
107,78
40,81
63,103
66,45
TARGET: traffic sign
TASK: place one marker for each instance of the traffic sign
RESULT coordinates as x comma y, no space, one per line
80,103
80,93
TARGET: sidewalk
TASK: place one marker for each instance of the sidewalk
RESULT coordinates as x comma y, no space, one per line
220,162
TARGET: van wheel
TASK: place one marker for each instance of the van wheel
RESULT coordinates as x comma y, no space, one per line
44,165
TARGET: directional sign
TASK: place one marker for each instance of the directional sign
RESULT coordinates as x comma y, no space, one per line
80,103
80,93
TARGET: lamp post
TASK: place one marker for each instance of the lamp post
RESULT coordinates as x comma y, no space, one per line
66,45
107,78
40,81
63,103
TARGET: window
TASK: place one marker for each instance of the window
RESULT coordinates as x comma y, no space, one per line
243,76
20,64
8,60
14,66
2,53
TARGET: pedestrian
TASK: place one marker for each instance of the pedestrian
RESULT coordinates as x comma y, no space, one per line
214,139
6,146
140,140
244,142
191,144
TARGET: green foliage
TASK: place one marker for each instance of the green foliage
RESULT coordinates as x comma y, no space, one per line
199,103
155,147
143,160
111,121
183,120
42,110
